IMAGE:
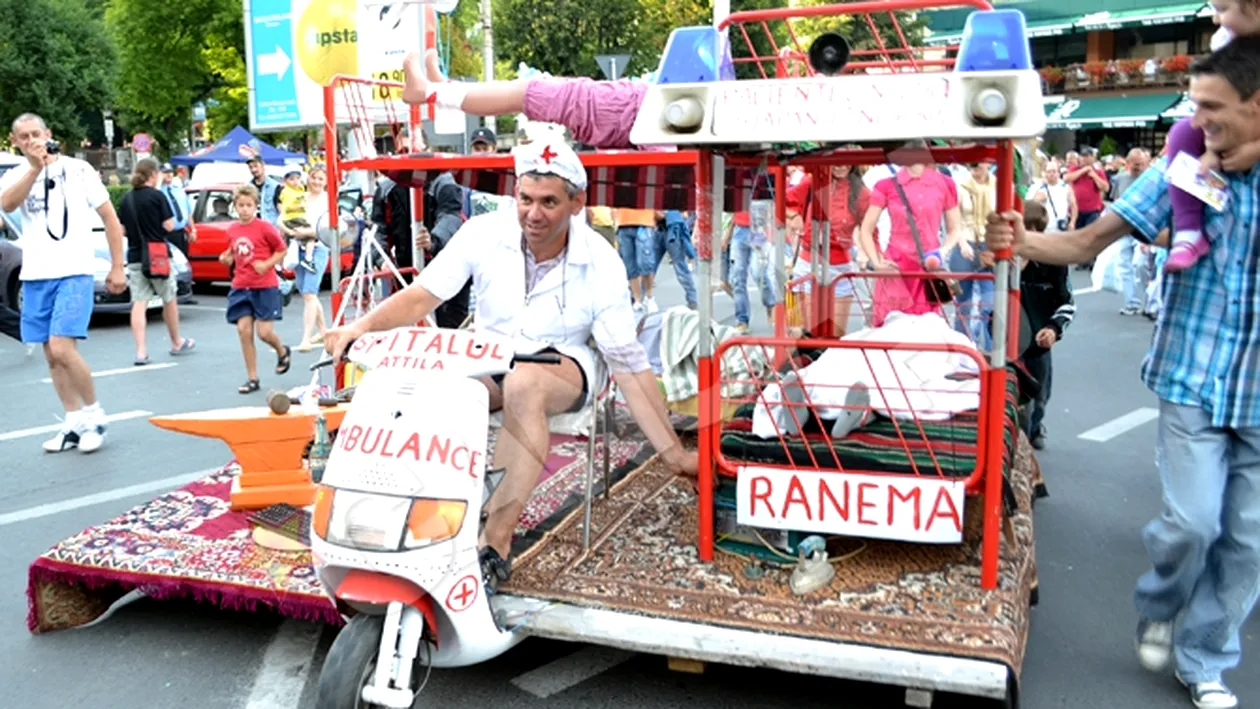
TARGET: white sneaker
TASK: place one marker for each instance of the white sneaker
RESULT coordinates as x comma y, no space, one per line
1154,644
1210,695
65,440
91,430
649,305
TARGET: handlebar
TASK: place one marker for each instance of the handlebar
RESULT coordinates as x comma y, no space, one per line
327,361
547,358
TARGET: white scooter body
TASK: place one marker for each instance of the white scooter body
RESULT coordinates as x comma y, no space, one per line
416,429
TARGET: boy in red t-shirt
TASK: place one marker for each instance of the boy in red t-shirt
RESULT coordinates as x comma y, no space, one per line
254,250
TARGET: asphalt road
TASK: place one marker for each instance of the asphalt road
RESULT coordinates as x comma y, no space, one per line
163,654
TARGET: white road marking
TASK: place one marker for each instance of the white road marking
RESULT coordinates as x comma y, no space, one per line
37,430
1084,291
56,508
571,670
285,666
207,308
1120,425
124,370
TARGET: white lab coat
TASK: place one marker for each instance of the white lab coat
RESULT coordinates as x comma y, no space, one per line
586,296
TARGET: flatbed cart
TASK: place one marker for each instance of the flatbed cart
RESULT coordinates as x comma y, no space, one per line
655,565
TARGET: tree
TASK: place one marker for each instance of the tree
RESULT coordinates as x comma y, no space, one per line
171,56
562,38
55,60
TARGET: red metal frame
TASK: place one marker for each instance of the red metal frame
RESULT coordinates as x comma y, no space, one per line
709,404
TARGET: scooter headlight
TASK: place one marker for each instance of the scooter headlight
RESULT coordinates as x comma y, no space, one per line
366,521
382,523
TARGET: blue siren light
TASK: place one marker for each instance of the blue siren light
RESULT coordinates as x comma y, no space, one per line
691,57
994,40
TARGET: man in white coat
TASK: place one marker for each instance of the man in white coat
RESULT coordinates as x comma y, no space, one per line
547,278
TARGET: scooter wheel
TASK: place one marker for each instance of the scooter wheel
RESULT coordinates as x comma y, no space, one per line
350,663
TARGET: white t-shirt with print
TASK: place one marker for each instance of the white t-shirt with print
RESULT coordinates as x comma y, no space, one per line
56,237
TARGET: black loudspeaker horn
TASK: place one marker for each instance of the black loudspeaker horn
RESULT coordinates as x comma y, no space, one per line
829,53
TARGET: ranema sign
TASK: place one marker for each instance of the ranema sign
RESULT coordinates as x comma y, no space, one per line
293,48
912,508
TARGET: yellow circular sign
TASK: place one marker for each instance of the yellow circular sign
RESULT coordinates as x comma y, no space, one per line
328,40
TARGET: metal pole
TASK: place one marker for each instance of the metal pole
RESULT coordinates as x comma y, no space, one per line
487,50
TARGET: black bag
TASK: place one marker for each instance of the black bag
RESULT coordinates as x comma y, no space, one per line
155,260
939,291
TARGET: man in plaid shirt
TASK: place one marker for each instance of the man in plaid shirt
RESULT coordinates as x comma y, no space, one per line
1204,365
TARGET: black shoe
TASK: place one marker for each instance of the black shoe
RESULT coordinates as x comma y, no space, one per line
1039,441
494,569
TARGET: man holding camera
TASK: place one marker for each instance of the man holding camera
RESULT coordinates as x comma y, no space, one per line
56,195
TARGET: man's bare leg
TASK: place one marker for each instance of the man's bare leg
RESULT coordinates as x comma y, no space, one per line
491,98
531,394
71,376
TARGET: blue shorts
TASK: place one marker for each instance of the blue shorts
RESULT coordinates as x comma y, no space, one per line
308,282
637,245
56,307
258,303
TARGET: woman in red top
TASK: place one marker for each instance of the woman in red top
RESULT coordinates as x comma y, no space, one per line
844,200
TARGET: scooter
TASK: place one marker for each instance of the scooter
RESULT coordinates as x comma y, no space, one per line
397,515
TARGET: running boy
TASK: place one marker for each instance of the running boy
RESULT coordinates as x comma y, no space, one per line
254,303
1236,18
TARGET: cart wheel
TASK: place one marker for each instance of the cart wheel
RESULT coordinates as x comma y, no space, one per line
350,664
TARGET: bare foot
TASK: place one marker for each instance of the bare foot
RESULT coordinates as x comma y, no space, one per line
419,74
415,87
433,66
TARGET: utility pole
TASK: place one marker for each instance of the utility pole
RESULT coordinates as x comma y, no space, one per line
487,50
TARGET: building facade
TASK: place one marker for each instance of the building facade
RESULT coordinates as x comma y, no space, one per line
1114,72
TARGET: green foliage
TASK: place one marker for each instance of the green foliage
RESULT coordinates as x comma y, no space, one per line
173,55
1108,146
55,60
562,38
116,193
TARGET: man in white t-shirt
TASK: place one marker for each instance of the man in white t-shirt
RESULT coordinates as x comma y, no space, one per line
1058,197
574,285
57,195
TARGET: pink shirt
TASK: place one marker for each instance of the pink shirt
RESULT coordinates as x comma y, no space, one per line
930,194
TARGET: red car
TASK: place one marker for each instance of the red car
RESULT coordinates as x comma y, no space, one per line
213,212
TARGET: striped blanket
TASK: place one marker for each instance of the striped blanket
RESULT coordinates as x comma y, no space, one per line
882,445
680,376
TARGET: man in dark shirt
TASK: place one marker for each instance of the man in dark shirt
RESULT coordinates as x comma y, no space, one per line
146,218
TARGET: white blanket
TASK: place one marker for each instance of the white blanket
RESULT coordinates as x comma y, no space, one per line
902,384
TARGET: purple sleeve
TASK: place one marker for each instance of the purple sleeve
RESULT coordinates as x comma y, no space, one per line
598,113
1187,209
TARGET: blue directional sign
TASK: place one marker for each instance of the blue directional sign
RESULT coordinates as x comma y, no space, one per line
274,97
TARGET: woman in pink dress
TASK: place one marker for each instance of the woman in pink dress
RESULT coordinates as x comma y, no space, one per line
932,197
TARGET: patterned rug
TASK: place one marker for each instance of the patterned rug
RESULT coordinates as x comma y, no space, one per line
919,598
190,544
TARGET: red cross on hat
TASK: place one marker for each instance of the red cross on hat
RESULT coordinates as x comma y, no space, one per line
547,155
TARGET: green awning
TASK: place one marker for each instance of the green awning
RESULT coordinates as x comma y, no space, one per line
1036,28
1184,108
1146,17
1132,111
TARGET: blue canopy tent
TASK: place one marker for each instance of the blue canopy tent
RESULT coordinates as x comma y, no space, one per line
238,146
